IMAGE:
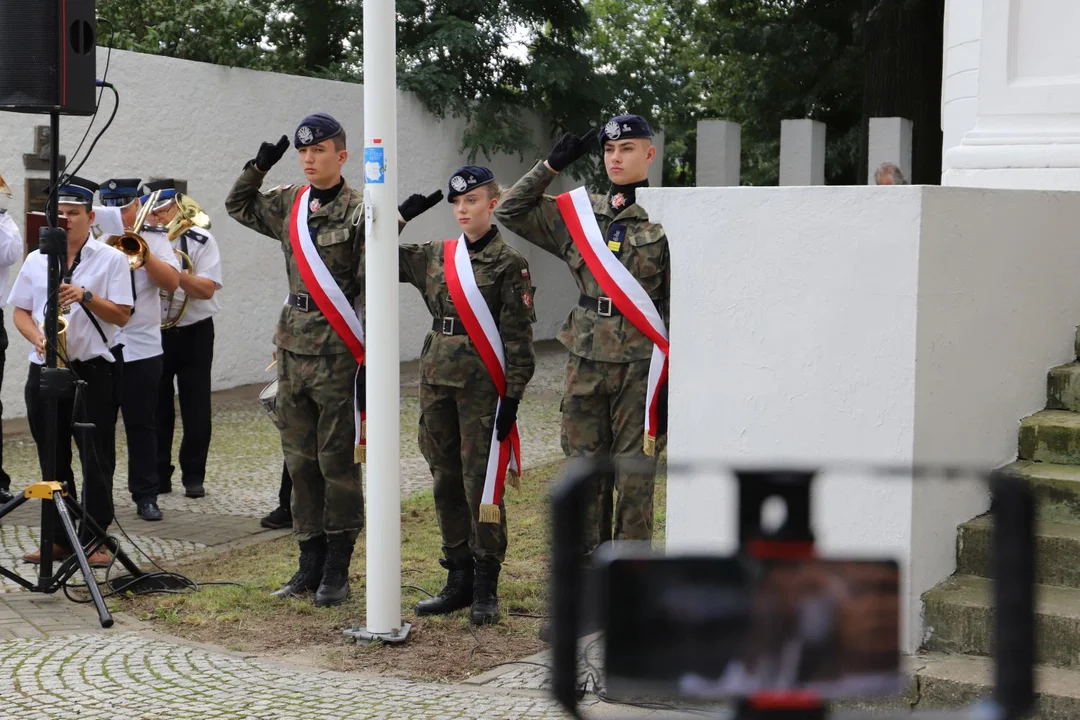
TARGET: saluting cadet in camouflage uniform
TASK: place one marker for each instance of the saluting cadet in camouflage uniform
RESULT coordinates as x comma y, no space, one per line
316,370
458,398
603,410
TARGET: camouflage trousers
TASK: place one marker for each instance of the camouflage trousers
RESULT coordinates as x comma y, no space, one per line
603,415
317,425
455,437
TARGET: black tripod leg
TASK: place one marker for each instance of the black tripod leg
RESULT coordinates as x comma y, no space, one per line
106,540
91,582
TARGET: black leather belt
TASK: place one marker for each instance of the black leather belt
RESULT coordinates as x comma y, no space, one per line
302,302
448,326
602,306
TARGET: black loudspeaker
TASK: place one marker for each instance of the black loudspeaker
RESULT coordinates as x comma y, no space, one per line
48,57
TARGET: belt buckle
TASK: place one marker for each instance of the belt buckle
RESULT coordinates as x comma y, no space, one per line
603,306
448,326
303,303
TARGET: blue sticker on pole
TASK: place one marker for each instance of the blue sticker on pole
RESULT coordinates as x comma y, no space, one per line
374,164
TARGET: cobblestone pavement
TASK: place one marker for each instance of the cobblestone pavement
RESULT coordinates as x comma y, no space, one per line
56,662
121,676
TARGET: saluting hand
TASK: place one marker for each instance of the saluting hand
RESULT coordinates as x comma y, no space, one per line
417,204
270,153
569,148
504,421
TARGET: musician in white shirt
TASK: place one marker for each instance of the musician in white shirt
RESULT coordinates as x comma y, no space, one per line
139,344
96,288
188,353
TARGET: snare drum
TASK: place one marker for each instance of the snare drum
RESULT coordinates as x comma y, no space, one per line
268,399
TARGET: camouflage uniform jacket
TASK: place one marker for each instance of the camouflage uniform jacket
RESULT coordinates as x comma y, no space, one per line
527,211
502,275
337,230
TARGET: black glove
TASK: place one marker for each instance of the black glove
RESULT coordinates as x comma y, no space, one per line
661,409
569,148
269,153
417,204
506,418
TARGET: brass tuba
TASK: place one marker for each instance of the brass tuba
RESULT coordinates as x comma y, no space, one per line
131,243
188,215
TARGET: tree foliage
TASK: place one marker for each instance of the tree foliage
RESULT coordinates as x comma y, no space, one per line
489,61
575,62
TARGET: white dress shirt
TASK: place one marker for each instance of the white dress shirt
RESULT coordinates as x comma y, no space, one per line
107,221
102,270
142,335
202,248
11,250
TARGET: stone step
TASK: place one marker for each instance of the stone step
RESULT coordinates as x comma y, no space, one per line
956,681
1057,548
1051,436
1057,488
1063,388
959,619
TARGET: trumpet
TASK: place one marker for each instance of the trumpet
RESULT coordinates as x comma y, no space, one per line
188,215
5,189
131,243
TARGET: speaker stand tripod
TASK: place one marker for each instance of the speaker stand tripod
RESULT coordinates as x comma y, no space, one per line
59,383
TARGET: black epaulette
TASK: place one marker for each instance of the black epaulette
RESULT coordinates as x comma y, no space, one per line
196,235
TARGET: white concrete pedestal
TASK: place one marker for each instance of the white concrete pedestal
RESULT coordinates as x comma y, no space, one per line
894,325
1027,131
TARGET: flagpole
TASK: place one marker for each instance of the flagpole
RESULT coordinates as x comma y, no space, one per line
383,546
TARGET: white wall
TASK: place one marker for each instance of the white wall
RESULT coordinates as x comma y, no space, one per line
880,324
201,123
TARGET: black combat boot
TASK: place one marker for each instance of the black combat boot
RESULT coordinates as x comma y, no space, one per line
485,604
335,578
457,594
308,577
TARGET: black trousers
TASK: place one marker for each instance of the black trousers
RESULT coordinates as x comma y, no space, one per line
138,403
285,491
188,357
5,479
96,403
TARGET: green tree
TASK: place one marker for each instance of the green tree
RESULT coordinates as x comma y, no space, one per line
488,61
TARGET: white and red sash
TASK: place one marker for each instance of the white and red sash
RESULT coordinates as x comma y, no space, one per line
343,316
625,292
484,334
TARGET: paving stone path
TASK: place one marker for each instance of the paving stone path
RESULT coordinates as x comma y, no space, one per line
56,661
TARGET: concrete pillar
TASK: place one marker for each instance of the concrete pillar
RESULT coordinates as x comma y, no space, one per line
802,152
960,73
890,141
656,170
719,152
1027,131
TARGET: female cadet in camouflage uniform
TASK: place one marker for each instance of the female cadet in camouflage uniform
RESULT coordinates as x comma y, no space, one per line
458,397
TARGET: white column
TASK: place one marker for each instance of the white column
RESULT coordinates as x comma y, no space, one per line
1027,133
383,512
959,73
802,152
656,170
719,151
890,141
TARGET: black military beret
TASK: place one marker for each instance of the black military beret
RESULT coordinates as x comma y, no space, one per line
316,128
625,127
467,179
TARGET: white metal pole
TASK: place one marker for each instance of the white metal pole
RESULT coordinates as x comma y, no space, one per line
381,269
